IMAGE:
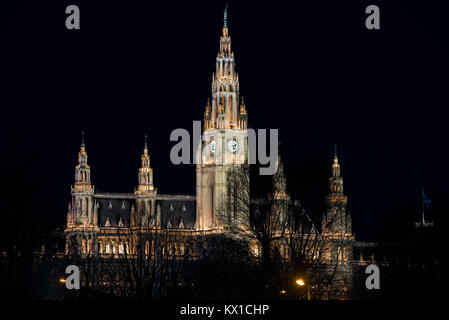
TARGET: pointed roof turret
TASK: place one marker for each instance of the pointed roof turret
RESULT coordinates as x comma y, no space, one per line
82,139
82,155
225,17
145,173
208,107
279,180
335,164
336,218
242,106
225,40
145,149
82,171
336,180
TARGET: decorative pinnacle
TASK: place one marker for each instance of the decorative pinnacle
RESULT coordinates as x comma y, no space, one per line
335,154
146,136
82,139
225,16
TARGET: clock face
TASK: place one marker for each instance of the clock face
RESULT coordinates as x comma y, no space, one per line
213,146
232,146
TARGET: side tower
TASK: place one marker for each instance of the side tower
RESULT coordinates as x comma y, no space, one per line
280,197
336,219
82,209
337,232
225,140
82,215
144,214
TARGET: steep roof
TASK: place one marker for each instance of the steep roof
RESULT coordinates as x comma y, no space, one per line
174,209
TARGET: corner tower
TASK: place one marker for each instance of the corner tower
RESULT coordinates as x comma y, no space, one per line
336,220
337,232
224,141
144,214
82,209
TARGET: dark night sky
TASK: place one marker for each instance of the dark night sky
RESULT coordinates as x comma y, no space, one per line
310,69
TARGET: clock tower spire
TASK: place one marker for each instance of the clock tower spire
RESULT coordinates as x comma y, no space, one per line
224,145
224,109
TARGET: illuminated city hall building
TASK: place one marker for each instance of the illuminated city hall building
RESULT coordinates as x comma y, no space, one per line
96,222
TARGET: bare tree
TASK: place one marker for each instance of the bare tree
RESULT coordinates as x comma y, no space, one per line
261,222
315,256
283,238
149,265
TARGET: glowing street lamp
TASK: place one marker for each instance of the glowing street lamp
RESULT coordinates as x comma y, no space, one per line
62,280
300,282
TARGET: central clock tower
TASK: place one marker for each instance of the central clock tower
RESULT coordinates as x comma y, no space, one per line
224,145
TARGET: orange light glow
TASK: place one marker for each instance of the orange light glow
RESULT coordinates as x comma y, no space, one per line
300,282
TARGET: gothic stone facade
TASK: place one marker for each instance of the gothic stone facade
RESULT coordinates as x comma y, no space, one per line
97,221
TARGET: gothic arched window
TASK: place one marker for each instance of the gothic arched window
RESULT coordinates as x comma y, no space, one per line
147,248
84,247
85,206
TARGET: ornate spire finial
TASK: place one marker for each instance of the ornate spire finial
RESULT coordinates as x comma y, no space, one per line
82,139
225,16
335,155
146,136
